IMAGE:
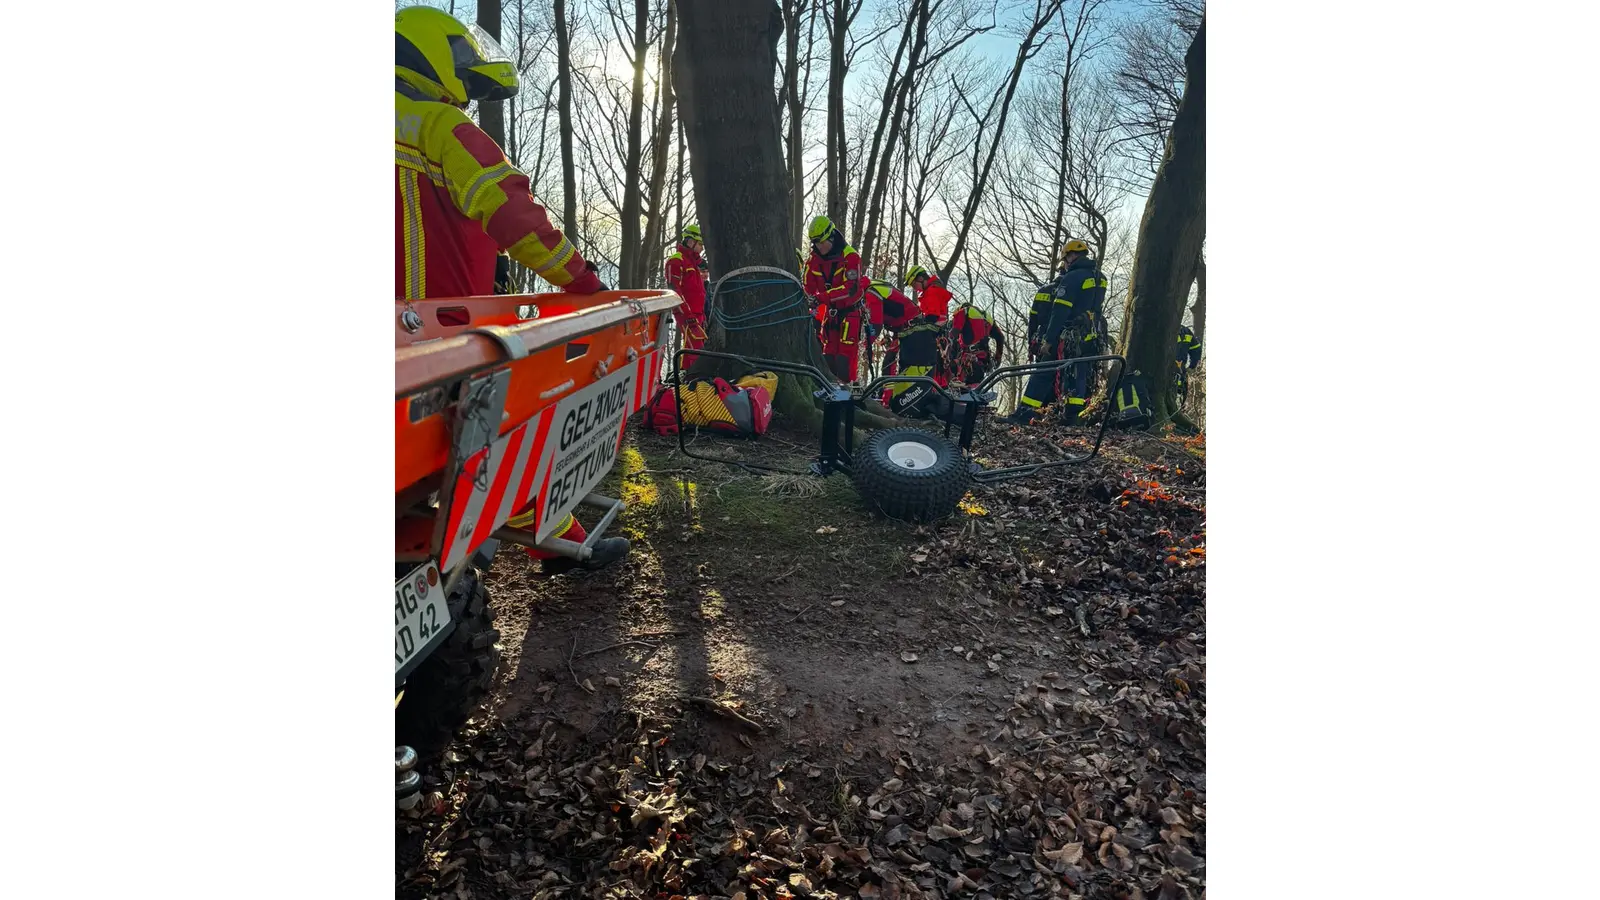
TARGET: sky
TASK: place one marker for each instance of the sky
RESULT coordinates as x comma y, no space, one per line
997,47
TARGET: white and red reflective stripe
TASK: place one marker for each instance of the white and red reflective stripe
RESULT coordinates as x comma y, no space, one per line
644,381
475,513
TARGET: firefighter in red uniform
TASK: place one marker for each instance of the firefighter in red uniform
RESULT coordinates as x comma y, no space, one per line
891,311
971,333
459,203
931,294
686,275
833,281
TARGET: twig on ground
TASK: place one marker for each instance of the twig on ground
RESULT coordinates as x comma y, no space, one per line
710,705
632,643
779,578
1082,615
802,613
570,670
981,633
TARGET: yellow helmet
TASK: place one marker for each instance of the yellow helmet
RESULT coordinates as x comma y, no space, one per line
913,273
1073,246
820,228
435,53
692,233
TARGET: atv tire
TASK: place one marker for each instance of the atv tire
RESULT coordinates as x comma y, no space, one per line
911,474
452,682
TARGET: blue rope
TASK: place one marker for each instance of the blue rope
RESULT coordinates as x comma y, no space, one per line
735,322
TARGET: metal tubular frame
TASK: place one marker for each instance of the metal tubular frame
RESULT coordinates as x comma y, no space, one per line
839,404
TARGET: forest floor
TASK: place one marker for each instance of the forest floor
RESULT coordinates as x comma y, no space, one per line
780,694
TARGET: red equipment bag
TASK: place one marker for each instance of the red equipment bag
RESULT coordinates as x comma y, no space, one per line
712,404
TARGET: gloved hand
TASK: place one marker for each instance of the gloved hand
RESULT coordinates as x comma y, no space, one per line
587,283
1035,347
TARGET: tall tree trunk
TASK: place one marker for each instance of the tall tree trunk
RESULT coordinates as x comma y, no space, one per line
886,107
677,183
1058,235
632,170
874,203
662,146
492,116
901,232
1043,13
1171,234
569,166
722,73
837,170
791,92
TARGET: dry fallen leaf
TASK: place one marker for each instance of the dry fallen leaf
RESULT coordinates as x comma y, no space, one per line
908,656
1067,854
613,681
588,686
827,529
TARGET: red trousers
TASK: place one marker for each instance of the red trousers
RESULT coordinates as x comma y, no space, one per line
569,530
841,343
694,335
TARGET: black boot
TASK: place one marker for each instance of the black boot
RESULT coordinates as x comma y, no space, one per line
1022,415
605,552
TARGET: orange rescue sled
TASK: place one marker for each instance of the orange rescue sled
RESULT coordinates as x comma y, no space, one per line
502,402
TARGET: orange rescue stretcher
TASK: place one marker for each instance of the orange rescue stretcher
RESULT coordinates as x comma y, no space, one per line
505,402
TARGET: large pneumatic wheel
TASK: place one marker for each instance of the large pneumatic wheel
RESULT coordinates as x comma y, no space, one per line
451,684
910,474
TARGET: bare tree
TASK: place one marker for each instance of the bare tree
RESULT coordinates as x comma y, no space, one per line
1043,12
724,64
921,63
632,188
569,165
1171,234
891,90
660,145
492,116
1150,74
839,16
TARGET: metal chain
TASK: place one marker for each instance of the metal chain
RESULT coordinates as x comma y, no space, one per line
476,409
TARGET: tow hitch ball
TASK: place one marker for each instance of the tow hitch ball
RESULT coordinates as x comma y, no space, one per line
407,783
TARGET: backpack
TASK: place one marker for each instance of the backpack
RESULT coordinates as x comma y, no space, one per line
1133,402
742,410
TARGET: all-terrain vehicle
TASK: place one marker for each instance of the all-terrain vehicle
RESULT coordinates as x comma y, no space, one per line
500,403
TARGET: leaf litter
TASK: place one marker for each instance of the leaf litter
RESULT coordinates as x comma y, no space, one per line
1089,781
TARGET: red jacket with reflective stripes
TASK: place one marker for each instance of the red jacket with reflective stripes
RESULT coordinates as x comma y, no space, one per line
684,276
835,280
889,307
458,202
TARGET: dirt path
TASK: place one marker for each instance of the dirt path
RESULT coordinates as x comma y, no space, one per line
860,653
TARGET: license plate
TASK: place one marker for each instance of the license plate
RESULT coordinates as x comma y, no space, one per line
419,612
